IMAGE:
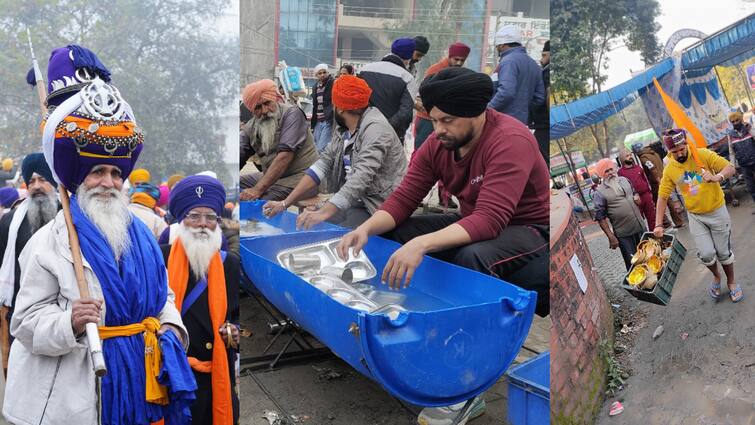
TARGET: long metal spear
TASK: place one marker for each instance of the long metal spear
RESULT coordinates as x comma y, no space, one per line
93,336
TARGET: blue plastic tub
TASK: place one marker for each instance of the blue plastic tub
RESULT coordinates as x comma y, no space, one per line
461,332
285,221
529,391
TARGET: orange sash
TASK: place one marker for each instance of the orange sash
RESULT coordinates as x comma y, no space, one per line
178,276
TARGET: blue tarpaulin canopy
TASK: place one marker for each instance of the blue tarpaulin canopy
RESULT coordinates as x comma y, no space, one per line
730,46
570,117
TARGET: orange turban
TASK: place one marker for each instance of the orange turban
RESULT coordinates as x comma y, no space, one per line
351,92
258,92
603,165
143,199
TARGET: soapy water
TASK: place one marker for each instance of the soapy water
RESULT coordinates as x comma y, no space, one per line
257,228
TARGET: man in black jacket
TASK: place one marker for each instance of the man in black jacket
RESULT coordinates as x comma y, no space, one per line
389,81
322,107
540,114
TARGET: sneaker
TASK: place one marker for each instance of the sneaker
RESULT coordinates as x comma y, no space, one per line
452,415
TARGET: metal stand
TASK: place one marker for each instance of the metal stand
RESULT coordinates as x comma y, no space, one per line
279,325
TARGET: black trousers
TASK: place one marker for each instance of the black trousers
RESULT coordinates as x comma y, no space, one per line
628,246
543,142
519,255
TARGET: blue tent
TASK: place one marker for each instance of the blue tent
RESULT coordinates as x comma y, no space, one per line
730,46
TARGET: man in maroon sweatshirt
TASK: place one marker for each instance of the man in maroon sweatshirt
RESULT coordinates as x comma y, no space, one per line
636,176
492,164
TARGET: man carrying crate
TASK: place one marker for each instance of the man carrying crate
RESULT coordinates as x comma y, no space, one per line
709,220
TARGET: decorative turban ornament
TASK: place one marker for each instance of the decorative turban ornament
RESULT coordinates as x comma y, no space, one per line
351,92
93,126
196,191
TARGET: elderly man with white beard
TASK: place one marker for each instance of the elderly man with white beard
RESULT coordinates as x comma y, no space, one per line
91,143
279,135
205,280
16,228
616,201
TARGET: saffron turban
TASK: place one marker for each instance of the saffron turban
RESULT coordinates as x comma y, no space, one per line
258,92
175,178
460,92
603,165
146,194
140,175
351,92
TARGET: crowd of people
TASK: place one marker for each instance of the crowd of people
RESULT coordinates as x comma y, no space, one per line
471,138
632,198
159,261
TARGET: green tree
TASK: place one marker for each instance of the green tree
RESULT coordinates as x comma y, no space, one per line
583,32
177,73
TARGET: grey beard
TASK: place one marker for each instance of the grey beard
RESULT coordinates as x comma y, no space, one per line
111,216
200,247
613,183
266,131
42,209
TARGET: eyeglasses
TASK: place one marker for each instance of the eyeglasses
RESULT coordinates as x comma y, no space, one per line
197,217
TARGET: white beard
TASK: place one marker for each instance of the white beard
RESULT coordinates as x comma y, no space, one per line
613,183
110,215
266,130
200,246
42,208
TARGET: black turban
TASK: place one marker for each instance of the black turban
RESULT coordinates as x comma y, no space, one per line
421,44
35,163
457,91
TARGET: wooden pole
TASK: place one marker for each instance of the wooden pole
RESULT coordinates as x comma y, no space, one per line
93,335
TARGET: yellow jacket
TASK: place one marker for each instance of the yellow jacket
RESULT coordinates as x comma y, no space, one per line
699,197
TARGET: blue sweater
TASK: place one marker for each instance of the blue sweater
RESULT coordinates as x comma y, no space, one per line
518,83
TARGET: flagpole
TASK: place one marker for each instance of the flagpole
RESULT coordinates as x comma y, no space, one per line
93,337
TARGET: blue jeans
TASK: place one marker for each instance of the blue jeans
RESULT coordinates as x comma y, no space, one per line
323,134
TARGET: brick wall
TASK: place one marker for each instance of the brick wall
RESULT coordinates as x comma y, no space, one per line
580,322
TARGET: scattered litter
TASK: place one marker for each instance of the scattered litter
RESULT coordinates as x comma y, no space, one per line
615,305
684,336
244,332
616,408
300,418
658,332
325,374
721,334
272,417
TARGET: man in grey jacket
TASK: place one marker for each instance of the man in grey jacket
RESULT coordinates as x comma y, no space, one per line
518,78
362,167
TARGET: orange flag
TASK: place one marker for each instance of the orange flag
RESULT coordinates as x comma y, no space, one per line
681,119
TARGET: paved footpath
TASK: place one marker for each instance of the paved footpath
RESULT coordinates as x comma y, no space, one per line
701,370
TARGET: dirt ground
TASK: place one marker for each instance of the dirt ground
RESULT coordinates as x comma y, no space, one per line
701,370
330,392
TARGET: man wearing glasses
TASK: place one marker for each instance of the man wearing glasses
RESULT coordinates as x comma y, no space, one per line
205,280
743,144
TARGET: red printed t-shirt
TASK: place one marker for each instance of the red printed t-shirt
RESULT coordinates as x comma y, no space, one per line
502,181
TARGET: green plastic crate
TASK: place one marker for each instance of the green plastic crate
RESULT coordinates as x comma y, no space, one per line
661,293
